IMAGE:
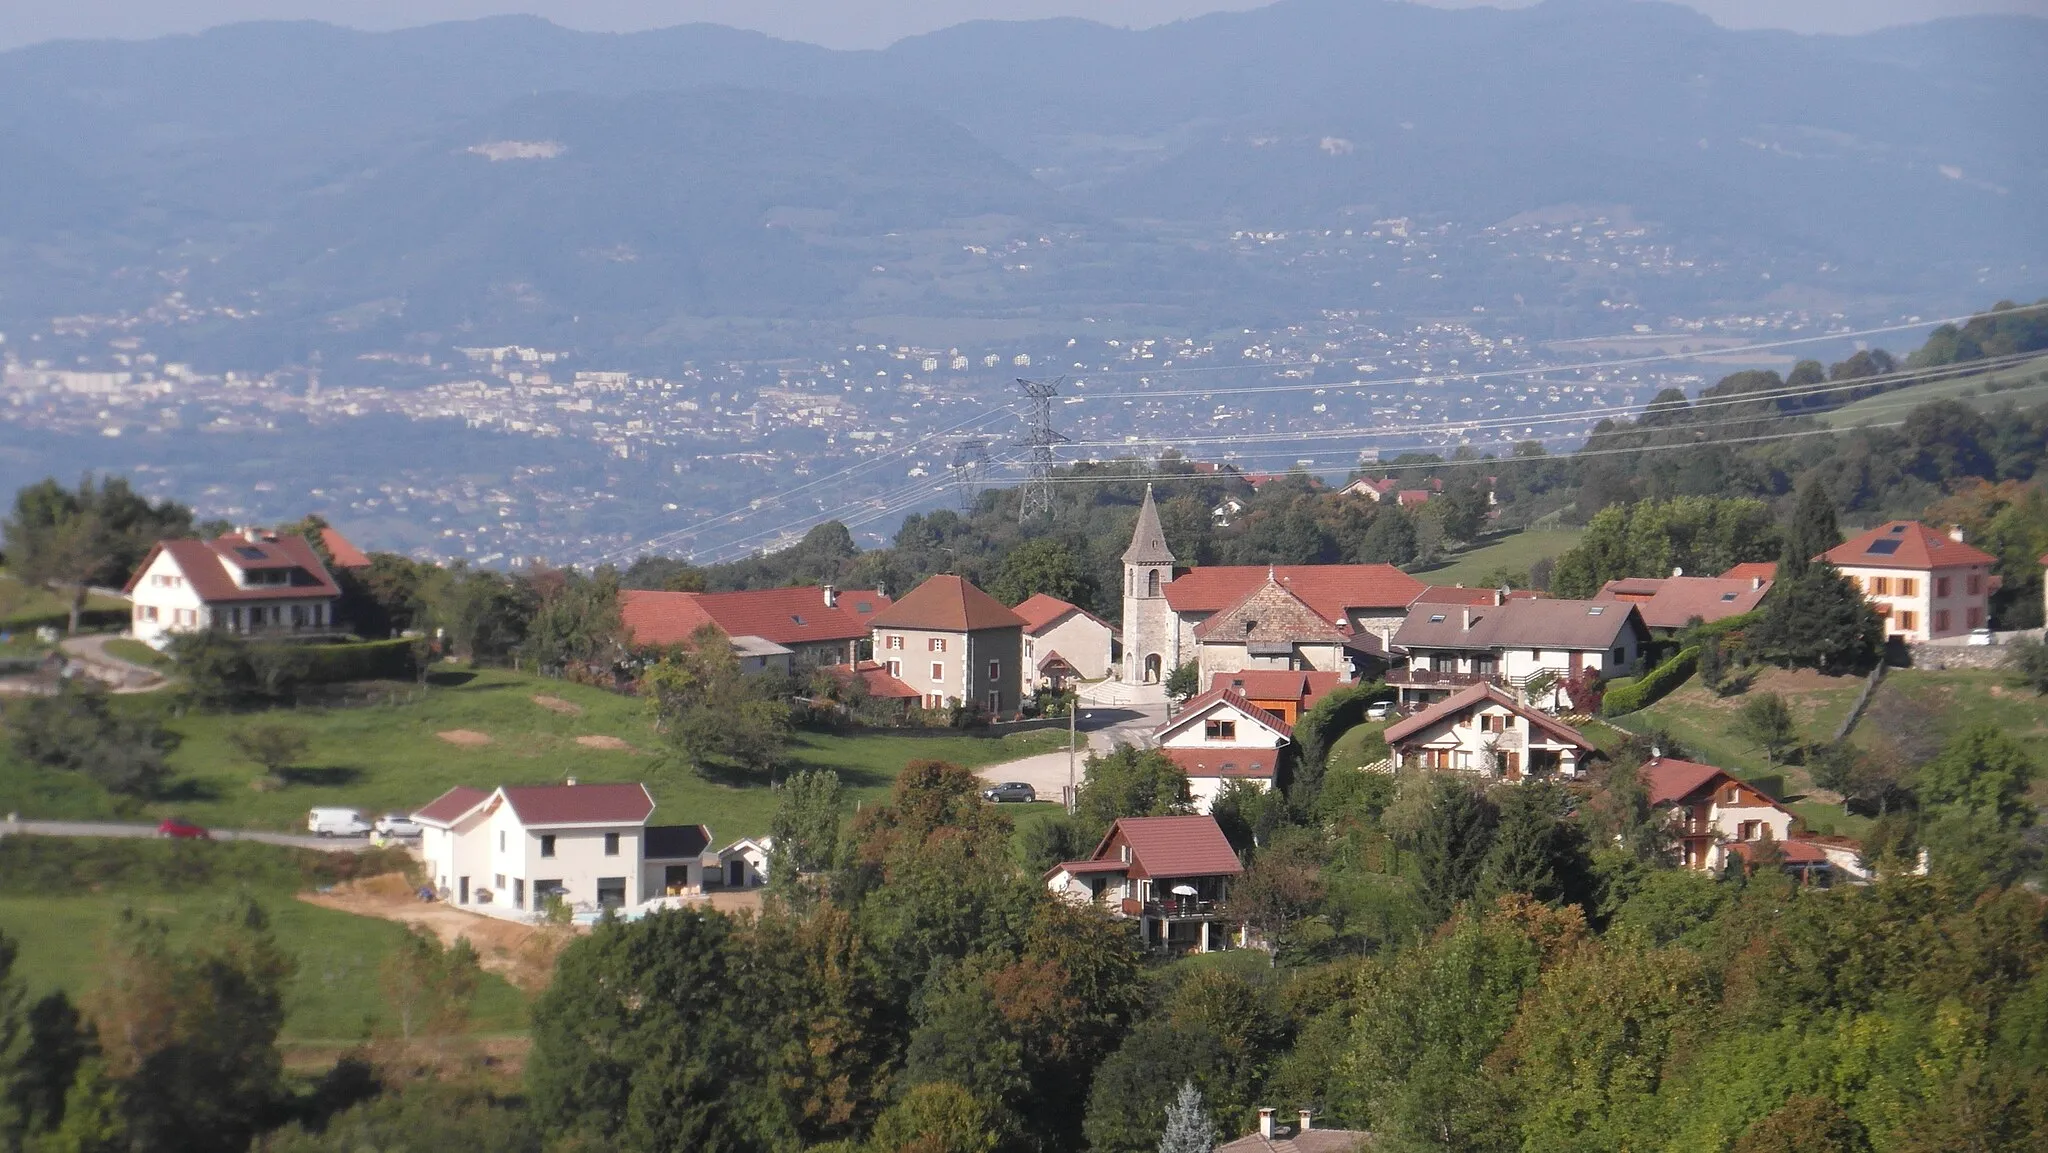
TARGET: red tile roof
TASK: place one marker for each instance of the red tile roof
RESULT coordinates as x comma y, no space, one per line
1671,780
1794,852
787,616
1332,590
1752,570
1240,764
210,566
1175,846
1460,595
1041,612
544,805
1279,685
1473,696
948,603
444,809
879,683
1906,544
1672,602
1271,614
343,550
1236,700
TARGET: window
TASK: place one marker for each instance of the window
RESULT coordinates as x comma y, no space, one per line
1123,853
1905,620
1908,587
1596,610
1882,586
1749,830
1220,730
611,844
933,701
1974,583
547,844
1436,618
938,671
995,670
1941,586
896,668
935,644
518,892
1941,620
892,642
501,848
1620,656
1152,583
146,612
1975,617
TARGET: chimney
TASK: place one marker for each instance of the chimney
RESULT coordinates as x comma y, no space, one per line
1308,1120
1500,596
253,535
831,596
1266,1124
1756,582
1468,618
1955,533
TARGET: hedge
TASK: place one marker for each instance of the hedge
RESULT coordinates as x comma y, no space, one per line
391,660
90,620
1724,626
1652,685
46,866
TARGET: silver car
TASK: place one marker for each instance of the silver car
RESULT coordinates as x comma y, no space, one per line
397,825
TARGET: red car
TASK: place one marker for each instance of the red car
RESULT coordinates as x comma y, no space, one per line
181,830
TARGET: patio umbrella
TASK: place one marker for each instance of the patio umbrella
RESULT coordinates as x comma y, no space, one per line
1184,890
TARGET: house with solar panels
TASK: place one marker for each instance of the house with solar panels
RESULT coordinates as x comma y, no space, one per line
1925,584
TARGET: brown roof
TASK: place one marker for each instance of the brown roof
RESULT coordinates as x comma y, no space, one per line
1671,780
1520,624
1197,704
1460,595
1041,611
1752,570
1905,544
947,603
1270,614
1174,846
1474,696
210,566
343,550
1307,687
444,809
1250,764
786,616
1332,590
1053,660
1794,852
1148,540
1672,602
879,683
1286,1139
541,805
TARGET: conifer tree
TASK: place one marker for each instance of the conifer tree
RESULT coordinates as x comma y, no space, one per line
1188,1128
1453,843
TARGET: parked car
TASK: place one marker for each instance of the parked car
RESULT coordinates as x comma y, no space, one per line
1010,791
1379,710
337,823
182,830
1981,637
398,825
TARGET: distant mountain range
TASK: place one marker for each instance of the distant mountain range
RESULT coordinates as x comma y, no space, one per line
509,179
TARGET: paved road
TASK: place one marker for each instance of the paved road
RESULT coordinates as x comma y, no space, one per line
1101,731
124,675
114,829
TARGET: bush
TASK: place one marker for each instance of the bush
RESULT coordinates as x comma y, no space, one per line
44,866
1628,697
392,660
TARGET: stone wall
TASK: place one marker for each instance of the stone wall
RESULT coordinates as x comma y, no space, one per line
1932,656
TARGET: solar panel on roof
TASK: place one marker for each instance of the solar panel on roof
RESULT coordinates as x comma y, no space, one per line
248,553
1728,596
1885,547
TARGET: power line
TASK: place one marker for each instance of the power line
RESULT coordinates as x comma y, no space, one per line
970,469
1039,438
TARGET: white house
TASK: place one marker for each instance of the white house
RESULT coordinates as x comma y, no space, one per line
252,584
1925,584
502,852
744,863
1510,641
1220,736
1713,815
1481,729
1063,643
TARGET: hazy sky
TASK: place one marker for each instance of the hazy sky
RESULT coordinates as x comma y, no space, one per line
839,23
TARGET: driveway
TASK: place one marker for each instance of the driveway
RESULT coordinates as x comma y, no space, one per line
1102,729
122,829
124,676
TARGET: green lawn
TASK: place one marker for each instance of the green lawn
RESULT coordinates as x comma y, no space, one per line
2024,384
334,997
1359,746
23,605
135,652
1517,553
1702,722
390,756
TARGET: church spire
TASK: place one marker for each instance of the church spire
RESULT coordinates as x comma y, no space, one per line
1148,540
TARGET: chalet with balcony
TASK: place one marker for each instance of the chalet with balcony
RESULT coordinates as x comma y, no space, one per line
1219,737
1512,643
1482,729
1170,874
251,584
1711,813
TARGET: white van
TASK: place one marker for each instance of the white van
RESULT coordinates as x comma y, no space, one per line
337,823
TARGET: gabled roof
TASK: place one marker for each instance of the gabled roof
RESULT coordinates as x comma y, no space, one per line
1173,846
450,806
947,603
1307,686
1042,611
1670,780
542,806
1148,540
210,567
1196,706
1752,570
1905,544
1230,763
1290,1139
1519,624
875,675
1791,850
1332,590
673,842
1672,602
1053,660
344,551
1476,696
787,616
1460,595
1272,615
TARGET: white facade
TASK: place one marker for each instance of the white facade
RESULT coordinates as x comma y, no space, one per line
488,861
1488,736
166,599
744,863
1927,605
1216,740
1082,639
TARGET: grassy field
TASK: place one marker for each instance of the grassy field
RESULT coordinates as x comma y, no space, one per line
21,604
135,652
1359,746
485,728
2024,384
1516,553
